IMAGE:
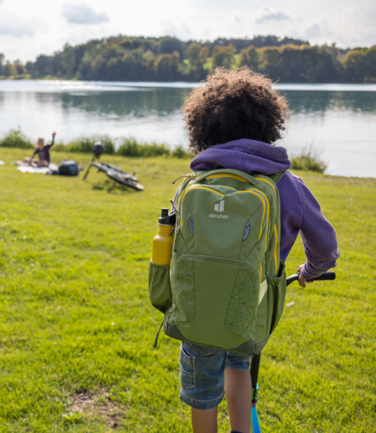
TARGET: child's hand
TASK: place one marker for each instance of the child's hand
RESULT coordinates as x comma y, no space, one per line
53,134
302,281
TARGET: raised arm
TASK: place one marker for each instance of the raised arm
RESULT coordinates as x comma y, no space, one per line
53,139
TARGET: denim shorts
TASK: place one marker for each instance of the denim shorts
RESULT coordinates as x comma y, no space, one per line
202,374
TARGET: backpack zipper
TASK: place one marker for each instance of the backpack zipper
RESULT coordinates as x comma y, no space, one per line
275,225
216,260
190,189
250,191
267,217
255,192
215,176
266,181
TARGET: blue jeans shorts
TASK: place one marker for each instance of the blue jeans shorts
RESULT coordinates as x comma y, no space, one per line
202,374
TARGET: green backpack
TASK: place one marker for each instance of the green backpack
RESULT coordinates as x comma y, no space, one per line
225,285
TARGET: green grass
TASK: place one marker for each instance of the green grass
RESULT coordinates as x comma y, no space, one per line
128,146
308,161
15,138
77,329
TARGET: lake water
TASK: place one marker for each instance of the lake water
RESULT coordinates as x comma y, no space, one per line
336,122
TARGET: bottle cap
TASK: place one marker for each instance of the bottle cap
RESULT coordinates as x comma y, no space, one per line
167,219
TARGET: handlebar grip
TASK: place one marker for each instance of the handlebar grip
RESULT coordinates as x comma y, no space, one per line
326,276
291,279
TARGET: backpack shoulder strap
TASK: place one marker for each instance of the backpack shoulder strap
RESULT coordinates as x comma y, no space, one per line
273,179
277,176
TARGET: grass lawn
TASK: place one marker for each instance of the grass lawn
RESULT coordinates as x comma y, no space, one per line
77,329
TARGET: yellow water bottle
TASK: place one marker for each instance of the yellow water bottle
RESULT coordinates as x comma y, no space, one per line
162,243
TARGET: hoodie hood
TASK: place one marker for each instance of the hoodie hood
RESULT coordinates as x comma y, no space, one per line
249,156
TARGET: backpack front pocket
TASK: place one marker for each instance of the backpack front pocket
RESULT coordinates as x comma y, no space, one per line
214,300
159,286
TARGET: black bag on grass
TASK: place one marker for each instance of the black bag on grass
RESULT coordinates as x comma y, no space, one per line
68,168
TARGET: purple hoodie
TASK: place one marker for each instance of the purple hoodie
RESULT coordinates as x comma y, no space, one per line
300,211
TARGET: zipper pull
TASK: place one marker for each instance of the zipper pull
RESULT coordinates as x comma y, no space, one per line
186,176
172,308
179,178
178,227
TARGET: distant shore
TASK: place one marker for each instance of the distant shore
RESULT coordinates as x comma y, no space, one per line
26,77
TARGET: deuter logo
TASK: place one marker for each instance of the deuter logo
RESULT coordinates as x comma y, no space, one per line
220,207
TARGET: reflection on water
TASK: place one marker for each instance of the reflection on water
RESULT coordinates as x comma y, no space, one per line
140,103
321,102
339,124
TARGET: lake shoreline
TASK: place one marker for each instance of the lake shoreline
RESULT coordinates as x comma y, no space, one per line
62,152
193,83
334,121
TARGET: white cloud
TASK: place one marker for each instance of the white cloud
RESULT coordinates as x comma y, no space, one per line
12,24
236,17
81,13
270,14
313,31
177,29
342,27
339,21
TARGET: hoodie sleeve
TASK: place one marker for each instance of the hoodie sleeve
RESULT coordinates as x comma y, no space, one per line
318,235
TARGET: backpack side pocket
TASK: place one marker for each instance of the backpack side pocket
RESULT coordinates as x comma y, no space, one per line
278,286
159,287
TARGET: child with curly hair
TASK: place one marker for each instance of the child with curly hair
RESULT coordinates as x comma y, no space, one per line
233,122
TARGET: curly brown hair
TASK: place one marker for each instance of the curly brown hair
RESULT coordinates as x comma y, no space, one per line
233,105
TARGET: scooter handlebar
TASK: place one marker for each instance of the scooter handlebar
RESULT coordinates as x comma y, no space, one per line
323,277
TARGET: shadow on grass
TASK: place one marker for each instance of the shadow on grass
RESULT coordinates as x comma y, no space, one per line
112,188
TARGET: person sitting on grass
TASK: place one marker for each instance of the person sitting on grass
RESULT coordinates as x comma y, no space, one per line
43,153
232,122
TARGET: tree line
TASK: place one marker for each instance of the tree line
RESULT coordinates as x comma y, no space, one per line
123,58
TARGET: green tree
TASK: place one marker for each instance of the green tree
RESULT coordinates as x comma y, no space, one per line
68,60
2,58
168,58
197,57
20,68
354,64
167,66
327,67
249,57
9,69
370,72
148,59
29,67
224,56
42,65
168,45
269,61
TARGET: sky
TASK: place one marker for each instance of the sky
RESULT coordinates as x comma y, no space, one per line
29,28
